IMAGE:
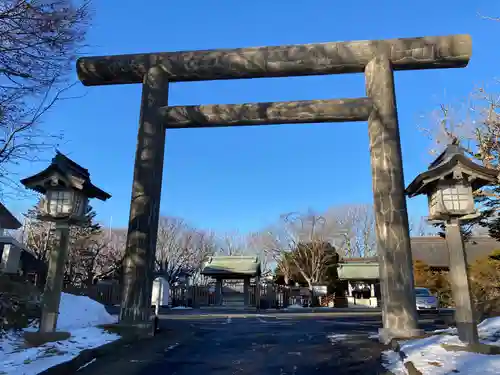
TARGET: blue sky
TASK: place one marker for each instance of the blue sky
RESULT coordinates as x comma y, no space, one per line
241,179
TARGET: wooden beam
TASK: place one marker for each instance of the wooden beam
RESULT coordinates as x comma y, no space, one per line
452,51
307,111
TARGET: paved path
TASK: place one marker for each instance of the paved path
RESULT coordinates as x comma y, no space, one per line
256,344
277,345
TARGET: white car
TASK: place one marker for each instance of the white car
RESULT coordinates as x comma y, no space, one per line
425,300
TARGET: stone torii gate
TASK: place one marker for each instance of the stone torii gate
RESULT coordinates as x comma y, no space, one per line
378,60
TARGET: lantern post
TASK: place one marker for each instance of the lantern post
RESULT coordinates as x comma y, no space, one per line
66,190
449,184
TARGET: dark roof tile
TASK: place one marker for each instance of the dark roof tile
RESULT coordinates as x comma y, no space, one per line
433,251
7,220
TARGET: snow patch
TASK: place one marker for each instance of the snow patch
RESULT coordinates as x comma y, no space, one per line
430,357
181,308
80,312
78,315
392,362
335,338
354,306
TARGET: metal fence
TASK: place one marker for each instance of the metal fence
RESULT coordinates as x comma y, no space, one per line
270,296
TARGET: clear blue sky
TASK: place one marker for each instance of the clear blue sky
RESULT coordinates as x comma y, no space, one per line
243,178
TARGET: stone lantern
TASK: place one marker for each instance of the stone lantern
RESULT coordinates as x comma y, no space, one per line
449,184
66,189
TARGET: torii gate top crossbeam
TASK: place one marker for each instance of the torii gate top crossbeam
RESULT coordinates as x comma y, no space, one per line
439,52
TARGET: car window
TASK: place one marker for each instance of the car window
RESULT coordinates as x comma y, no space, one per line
422,292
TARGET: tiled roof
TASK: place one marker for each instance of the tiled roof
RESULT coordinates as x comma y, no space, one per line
434,252
232,265
7,220
69,169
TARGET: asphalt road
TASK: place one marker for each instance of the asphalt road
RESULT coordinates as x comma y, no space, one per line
277,344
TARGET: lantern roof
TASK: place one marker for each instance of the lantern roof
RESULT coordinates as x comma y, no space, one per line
451,161
68,173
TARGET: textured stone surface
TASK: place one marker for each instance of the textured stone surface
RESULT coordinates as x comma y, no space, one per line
41,338
280,61
393,240
51,297
145,203
460,286
306,111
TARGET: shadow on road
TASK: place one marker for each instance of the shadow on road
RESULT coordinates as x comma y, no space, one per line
241,343
275,345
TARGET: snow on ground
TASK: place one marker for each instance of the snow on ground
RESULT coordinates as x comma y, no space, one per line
181,308
294,306
336,337
79,315
431,358
354,306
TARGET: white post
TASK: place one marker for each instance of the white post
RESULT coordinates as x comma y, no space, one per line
372,290
159,297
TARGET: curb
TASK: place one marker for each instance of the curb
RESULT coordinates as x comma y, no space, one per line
89,355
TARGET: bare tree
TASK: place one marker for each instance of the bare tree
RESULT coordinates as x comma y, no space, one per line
475,126
355,225
94,254
272,242
304,242
110,258
203,246
420,227
39,42
489,18
172,247
232,243
257,244
181,248
37,235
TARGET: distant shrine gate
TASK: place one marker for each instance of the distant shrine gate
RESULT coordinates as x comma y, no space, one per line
243,268
377,59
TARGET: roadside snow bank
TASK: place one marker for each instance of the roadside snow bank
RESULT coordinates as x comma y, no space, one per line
80,312
79,315
429,357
